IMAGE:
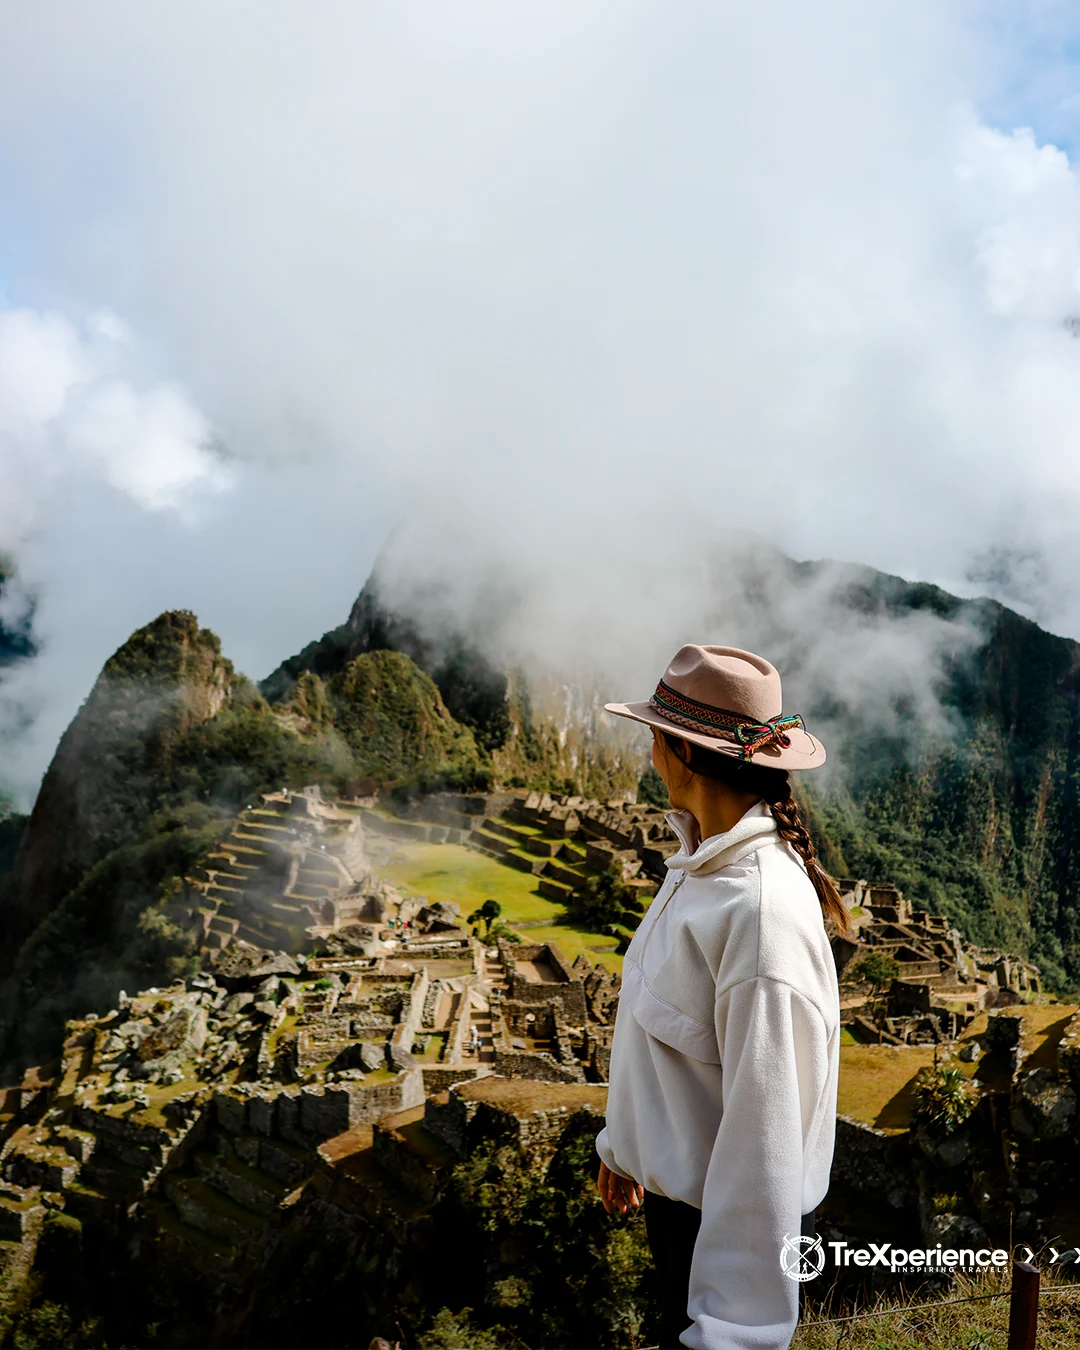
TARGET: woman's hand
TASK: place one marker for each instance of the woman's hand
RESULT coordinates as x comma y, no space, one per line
616,1192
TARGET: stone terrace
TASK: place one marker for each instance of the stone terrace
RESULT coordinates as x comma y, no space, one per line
292,870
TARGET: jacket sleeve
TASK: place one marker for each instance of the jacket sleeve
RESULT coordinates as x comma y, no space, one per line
774,1052
603,1148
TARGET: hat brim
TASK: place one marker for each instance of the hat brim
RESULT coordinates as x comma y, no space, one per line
804,752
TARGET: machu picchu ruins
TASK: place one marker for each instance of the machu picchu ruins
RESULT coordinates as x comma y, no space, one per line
346,1043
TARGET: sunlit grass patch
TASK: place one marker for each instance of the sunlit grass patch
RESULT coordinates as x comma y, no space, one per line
877,1082
453,872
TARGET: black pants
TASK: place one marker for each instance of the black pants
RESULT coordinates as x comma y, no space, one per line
672,1228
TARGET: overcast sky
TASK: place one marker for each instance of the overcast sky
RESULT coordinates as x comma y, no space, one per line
576,287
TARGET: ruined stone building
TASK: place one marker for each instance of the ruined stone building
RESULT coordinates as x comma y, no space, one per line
943,980
282,1051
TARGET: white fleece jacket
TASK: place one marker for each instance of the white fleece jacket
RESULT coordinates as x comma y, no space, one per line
724,1069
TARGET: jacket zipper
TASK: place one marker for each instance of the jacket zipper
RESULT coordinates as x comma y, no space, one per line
652,927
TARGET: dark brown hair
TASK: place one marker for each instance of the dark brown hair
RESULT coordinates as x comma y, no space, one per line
773,786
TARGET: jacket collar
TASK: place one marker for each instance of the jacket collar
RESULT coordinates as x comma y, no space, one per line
700,856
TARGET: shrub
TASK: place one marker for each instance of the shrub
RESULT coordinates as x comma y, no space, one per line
455,1331
943,1099
503,930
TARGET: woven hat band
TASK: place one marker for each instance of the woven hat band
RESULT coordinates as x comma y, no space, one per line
745,731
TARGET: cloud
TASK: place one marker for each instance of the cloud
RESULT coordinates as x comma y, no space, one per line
69,411
578,290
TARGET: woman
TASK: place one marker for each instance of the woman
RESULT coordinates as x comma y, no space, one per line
722,1100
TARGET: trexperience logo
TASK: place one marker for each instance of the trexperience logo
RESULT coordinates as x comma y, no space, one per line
803,1258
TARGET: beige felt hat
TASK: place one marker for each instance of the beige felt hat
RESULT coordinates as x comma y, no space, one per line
728,700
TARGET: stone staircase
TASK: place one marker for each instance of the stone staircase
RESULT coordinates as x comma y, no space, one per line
269,881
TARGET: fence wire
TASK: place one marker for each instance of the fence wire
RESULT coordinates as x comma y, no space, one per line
903,1311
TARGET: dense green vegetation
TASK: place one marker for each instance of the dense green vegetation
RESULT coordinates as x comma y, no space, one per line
473,690
978,817
546,1265
11,828
391,715
112,931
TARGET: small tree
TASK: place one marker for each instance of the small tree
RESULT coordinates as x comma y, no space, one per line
489,911
879,970
652,790
604,898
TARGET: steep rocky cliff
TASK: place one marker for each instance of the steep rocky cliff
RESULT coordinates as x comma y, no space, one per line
475,692
982,824
169,677
539,733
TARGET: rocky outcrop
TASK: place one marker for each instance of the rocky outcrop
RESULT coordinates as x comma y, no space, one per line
167,678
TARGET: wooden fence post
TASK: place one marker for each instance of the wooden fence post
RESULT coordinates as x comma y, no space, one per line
1023,1306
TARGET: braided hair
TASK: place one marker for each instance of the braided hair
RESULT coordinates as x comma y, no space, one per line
773,786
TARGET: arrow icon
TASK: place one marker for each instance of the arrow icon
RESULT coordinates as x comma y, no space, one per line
1053,1255
1030,1255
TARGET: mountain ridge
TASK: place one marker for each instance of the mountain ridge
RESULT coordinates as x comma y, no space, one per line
980,823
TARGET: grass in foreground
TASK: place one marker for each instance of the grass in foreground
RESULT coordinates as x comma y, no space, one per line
981,1325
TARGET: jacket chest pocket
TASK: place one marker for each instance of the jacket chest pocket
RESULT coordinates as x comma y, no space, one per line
665,1022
